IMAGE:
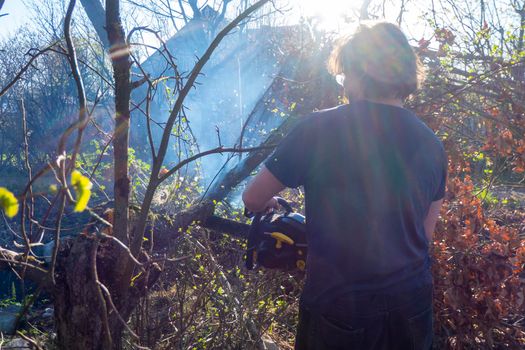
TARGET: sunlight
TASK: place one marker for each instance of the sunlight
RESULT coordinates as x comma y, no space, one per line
329,14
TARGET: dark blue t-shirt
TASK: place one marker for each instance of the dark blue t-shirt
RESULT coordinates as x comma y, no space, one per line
370,172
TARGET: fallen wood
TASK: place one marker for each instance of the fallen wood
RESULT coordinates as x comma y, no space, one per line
29,268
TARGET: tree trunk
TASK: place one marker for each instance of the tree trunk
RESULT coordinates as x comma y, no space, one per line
121,62
97,16
79,312
84,316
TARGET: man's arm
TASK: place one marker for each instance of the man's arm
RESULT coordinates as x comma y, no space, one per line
432,218
286,167
260,191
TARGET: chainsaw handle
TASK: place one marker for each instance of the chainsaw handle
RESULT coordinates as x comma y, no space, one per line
283,203
253,240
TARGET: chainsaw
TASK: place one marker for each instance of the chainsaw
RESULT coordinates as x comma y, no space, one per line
277,240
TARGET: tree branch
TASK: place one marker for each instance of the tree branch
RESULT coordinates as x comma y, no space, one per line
96,15
16,261
231,178
72,59
25,68
216,150
138,232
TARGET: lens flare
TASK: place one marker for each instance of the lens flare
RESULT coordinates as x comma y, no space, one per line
329,14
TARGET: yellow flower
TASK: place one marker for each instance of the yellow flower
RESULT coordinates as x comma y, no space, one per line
82,187
8,202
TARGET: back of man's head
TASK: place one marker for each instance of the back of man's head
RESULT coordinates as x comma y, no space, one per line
378,60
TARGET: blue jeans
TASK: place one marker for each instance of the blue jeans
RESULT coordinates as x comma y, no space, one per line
369,321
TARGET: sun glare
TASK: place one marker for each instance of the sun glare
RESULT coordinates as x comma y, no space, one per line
329,14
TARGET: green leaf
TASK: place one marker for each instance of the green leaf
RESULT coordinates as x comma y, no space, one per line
8,202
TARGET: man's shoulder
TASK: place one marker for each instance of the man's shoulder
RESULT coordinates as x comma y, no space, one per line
419,129
318,120
332,112
429,134
426,141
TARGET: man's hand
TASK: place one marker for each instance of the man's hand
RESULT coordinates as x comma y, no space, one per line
432,218
272,204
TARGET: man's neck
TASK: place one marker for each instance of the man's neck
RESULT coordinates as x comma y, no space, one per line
397,102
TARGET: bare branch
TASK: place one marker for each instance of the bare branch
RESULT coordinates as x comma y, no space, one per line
96,15
138,232
114,308
104,311
57,234
231,178
12,260
25,68
219,149
72,58
364,10
34,343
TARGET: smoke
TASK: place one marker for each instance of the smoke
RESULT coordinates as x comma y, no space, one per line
228,93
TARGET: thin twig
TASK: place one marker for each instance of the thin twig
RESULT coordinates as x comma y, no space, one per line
22,263
219,149
29,340
110,301
126,248
27,305
28,165
140,226
99,160
72,58
105,321
57,235
25,68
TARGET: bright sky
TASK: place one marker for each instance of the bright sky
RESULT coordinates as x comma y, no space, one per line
330,14
17,16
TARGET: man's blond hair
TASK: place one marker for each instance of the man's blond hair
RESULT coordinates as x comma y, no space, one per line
379,56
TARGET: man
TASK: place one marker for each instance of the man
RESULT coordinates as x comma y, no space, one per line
374,178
